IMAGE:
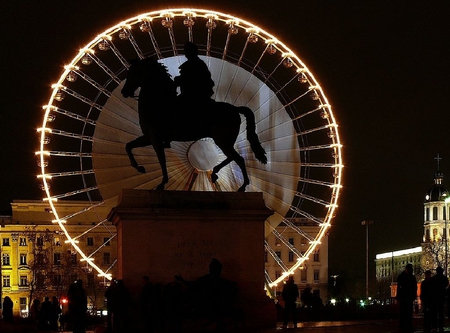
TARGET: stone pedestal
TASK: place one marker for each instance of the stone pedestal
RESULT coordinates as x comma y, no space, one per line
166,233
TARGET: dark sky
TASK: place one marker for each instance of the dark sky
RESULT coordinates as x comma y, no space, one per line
384,66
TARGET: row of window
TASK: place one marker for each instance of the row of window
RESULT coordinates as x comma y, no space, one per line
40,259
435,214
40,280
304,275
23,281
303,241
291,256
56,241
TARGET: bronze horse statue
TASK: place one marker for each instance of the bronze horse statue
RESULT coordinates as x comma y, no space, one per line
163,118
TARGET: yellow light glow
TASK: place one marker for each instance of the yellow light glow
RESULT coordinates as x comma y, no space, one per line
189,13
145,18
42,152
44,176
46,130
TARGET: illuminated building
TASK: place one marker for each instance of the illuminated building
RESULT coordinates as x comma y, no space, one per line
35,256
313,271
433,251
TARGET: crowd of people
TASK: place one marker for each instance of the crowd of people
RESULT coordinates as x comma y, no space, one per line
433,292
46,314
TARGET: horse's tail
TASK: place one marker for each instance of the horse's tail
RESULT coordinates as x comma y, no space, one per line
252,137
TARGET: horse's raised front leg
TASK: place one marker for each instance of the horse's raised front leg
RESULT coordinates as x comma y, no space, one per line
232,155
159,150
217,168
141,141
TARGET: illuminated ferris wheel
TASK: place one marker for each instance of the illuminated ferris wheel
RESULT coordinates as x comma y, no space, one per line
87,123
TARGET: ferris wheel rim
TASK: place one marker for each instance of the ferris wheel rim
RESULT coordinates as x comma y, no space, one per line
213,15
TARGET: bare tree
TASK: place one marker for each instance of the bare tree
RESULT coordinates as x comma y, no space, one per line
433,254
52,267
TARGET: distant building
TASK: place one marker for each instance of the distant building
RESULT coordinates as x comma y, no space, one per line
314,271
36,262
433,251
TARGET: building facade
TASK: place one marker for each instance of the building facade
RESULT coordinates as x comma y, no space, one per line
433,251
314,271
37,262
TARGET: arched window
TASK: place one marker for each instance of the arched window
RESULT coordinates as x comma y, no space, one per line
427,214
435,233
427,235
435,213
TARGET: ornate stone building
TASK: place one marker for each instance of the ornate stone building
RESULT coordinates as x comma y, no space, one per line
36,262
314,272
433,251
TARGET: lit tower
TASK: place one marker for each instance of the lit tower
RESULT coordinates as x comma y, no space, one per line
435,247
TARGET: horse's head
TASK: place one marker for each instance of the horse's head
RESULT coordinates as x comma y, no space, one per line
133,80
147,73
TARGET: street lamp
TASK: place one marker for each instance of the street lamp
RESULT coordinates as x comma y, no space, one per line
367,223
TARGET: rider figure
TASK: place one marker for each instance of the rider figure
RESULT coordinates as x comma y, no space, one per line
196,85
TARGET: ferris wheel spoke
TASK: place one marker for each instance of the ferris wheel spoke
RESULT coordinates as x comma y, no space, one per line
92,82
316,182
307,113
69,114
135,45
146,26
298,230
167,22
276,257
287,243
104,67
210,25
312,199
73,193
307,215
83,210
189,23
119,55
80,97
69,154
327,127
283,87
67,173
72,135
232,30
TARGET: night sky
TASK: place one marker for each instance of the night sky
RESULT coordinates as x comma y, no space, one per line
384,66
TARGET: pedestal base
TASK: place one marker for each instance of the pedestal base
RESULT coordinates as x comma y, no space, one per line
166,233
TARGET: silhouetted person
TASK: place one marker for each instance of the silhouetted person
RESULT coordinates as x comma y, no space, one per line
7,310
35,309
307,300
122,300
439,283
406,294
46,313
290,295
55,312
77,306
213,296
426,297
109,295
196,85
147,306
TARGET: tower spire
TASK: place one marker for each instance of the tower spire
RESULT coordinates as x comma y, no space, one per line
438,176
438,159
